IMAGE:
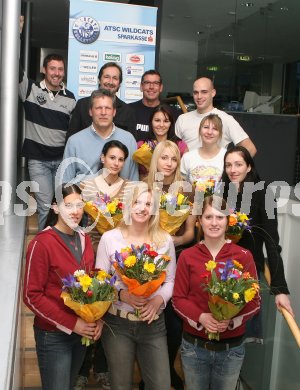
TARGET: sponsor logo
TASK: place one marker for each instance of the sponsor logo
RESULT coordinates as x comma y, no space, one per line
135,59
133,94
41,99
85,91
115,57
88,79
88,67
88,55
86,29
134,70
131,82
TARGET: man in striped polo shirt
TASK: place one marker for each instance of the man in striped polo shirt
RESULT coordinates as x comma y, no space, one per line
48,106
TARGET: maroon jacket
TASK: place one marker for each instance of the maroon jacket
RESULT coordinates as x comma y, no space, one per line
48,260
189,296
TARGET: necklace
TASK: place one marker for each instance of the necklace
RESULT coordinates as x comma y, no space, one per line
108,183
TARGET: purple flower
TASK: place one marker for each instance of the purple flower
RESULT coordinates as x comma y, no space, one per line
119,259
69,282
112,280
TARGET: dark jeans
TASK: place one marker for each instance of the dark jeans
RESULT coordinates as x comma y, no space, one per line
126,341
174,333
60,357
95,358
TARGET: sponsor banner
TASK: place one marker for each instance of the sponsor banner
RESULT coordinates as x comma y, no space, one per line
89,79
133,94
84,91
135,59
114,57
132,82
134,70
88,67
101,32
127,33
88,55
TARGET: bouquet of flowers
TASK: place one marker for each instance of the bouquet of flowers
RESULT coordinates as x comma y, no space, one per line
141,268
207,187
143,154
105,211
238,222
230,292
89,294
173,211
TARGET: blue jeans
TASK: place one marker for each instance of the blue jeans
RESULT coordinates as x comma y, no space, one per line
43,172
60,357
210,370
129,340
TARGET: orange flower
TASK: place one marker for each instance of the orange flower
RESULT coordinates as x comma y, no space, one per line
255,286
166,257
246,275
232,220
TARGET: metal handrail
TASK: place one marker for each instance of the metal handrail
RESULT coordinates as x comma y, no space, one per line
286,314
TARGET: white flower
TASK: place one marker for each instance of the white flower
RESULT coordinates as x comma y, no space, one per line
79,272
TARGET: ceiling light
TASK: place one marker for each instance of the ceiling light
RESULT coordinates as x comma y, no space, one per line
233,13
187,16
199,32
284,9
247,4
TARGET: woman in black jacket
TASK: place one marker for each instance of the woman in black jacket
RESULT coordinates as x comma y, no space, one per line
240,177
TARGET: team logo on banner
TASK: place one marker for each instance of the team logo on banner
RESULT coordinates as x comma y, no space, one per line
86,29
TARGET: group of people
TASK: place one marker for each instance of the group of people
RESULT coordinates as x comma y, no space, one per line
101,134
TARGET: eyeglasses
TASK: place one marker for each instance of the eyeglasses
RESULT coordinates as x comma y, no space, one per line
71,206
147,83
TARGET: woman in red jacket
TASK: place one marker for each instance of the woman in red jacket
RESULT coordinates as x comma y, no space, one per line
213,365
54,253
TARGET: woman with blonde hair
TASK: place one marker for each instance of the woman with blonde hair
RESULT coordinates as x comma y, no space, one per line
130,336
164,173
206,162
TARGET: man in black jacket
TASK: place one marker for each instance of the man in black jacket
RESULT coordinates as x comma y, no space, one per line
110,78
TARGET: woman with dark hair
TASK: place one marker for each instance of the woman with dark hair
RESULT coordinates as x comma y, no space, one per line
109,182
210,364
239,177
162,129
56,252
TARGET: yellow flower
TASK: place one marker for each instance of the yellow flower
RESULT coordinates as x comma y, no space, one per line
242,217
237,264
249,294
235,296
111,207
150,267
130,261
102,275
210,265
85,282
127,249
180,199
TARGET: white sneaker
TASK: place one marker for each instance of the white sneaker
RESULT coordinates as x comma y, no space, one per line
81,382
103,379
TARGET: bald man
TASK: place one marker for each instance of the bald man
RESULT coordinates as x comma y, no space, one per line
187,125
